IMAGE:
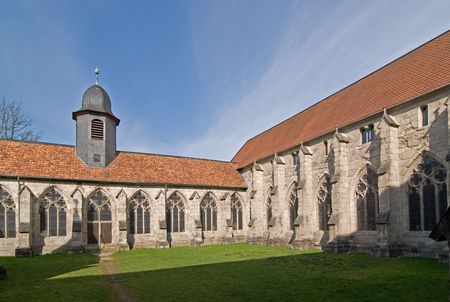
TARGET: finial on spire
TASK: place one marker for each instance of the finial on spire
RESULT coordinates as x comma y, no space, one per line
97,72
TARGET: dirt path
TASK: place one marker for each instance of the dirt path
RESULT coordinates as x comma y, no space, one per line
115,283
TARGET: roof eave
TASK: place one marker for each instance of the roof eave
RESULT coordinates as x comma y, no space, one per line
75,114
150,184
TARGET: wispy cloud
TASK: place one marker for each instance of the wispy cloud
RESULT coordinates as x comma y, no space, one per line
199,81
322,50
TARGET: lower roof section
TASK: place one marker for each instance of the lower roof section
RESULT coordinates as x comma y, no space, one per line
60,162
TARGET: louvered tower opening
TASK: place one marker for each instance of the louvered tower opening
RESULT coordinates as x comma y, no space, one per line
97,129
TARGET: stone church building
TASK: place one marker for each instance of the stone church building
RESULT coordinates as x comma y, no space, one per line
365,169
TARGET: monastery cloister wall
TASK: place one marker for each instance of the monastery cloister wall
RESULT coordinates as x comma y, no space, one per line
300,174
398,147
27,195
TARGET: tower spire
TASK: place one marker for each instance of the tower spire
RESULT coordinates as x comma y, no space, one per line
97,72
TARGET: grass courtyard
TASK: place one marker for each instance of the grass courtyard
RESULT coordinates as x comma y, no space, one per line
238,272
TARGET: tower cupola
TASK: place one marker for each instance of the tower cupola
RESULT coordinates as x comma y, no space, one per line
96,127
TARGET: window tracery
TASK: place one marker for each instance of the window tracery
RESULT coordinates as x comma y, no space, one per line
367,201
427,192
53,214
99,219
208,213
293,208
325,203
175,213
236,212
140,214
7,215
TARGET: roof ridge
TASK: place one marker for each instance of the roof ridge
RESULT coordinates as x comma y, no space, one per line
177,156
35,142
119,151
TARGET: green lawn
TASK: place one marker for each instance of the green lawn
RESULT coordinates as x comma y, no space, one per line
238,272
53,278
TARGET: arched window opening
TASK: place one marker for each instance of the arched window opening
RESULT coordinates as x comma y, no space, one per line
236,212
52,214
7,215
139,214
97,129
367,201
175,213
427,194
325,203
208,213
293,209
268,211
99,219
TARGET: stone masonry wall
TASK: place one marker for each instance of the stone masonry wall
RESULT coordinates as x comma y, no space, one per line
76,196
396,150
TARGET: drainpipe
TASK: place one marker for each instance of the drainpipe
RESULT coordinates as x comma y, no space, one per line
18,203
18,195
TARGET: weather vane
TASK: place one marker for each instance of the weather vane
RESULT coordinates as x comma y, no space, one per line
97,72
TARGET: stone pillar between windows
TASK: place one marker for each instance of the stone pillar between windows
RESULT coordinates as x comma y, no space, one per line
340,192
26,198
256,223
280,228
224,225
122,242
161,231
76,244
334,244
196,225
381,247
307,221
389,181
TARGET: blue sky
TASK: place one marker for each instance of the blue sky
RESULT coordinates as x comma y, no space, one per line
198,78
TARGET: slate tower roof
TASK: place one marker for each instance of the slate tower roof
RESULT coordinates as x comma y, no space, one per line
96,100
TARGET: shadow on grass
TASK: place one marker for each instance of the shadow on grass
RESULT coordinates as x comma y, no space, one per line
305,277
30,279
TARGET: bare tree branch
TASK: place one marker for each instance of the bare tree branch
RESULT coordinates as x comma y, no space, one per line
15,123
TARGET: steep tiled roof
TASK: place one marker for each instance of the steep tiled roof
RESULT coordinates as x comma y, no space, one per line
422,70
41,160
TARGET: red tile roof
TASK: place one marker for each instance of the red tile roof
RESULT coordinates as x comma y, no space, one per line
421,71
39,160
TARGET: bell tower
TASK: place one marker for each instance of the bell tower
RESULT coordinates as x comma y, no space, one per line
96,127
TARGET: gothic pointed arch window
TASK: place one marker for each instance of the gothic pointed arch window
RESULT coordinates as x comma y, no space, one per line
99,219
236,212
293,208
139,214
268,211
367,200
53,214
7,215
427,194
325,203
208,213
175,213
